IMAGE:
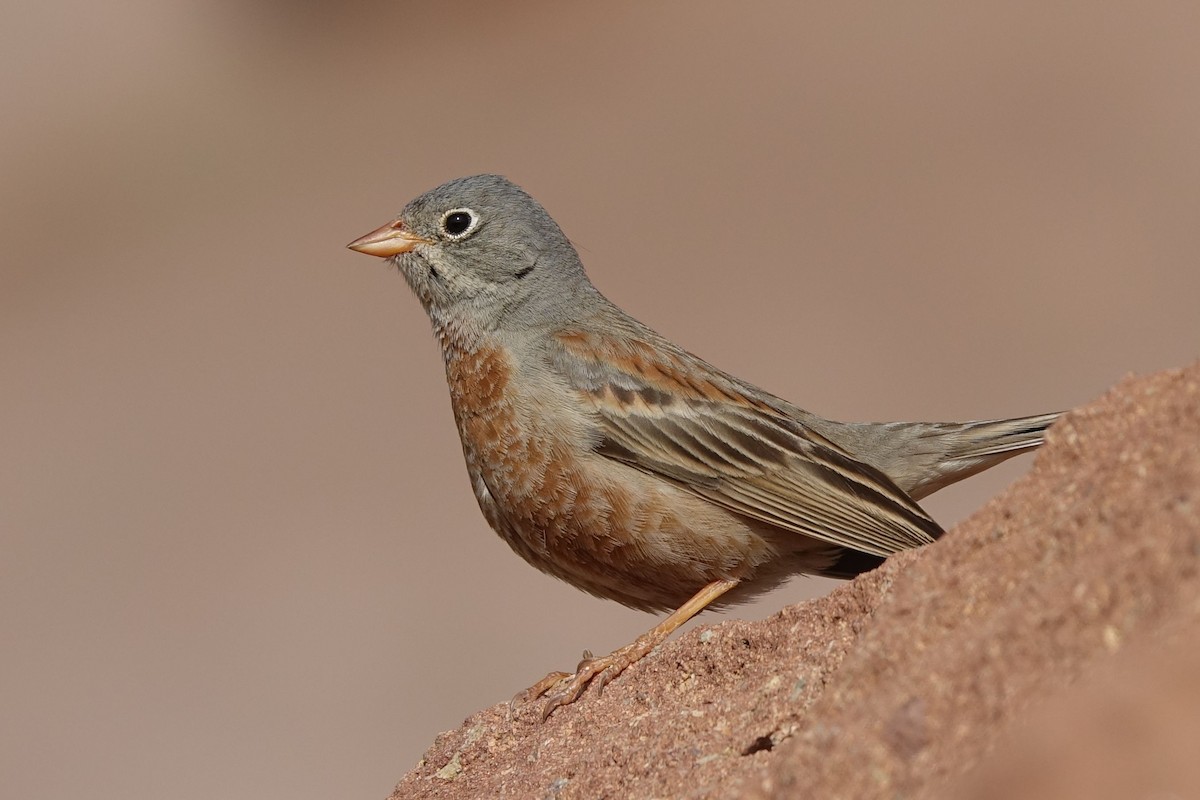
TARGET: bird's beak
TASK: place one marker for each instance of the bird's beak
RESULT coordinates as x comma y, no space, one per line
392,239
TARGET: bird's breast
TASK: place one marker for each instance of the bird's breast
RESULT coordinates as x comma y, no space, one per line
524,446
518,453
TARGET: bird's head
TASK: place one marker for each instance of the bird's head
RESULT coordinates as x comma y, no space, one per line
482,251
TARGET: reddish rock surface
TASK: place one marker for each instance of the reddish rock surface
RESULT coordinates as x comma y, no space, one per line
1046,647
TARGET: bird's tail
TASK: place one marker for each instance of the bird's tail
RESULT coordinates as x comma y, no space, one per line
1000,437
951,451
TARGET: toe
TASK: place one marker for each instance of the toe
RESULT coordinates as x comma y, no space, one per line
601,680
537,690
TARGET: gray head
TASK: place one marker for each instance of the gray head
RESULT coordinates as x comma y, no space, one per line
482,251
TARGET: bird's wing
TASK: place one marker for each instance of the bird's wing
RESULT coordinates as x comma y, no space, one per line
670,414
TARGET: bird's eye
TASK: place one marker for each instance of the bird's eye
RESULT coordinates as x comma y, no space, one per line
458,222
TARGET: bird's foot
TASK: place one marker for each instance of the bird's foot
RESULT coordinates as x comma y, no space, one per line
560,688
563,688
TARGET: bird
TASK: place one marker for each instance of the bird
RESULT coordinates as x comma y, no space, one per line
607,456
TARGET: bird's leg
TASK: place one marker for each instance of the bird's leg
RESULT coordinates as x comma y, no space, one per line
602,670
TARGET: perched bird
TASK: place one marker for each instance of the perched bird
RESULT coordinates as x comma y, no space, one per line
611,458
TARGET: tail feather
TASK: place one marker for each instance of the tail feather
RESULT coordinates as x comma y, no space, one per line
956,450
1002,437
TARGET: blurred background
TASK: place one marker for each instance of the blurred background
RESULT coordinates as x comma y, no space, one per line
239,556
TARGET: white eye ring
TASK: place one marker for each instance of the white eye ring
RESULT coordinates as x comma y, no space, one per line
452,222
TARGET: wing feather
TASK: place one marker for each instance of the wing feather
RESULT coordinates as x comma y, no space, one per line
670,414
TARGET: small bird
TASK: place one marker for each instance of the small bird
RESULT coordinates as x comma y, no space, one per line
611,458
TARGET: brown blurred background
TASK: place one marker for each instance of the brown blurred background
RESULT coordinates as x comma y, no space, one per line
240,557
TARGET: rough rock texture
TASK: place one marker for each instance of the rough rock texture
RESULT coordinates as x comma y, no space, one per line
1050,642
